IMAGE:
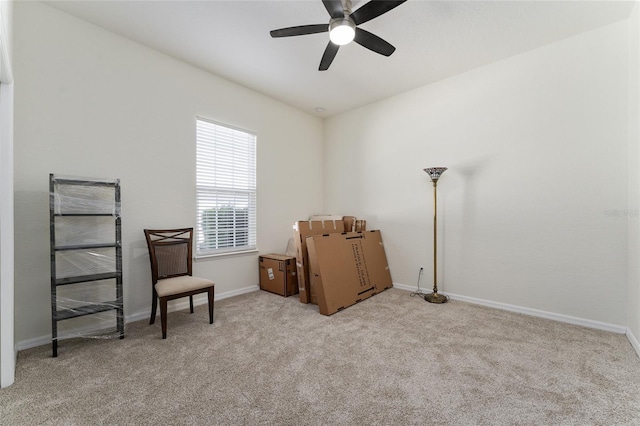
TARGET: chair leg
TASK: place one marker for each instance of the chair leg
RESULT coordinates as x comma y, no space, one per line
191,303
163,316
210,294
153,307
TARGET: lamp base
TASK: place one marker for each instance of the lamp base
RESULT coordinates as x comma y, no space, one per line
435,298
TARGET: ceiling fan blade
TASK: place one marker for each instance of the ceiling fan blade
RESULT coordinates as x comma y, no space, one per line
327,58
373,9
300,30
373,42
334,7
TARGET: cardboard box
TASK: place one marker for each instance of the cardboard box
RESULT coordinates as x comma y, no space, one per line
349,223
278,274
347,268
302,230
325,217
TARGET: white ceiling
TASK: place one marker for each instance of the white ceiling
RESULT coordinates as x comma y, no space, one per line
434,40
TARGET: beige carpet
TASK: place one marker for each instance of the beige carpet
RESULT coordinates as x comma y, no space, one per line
391,360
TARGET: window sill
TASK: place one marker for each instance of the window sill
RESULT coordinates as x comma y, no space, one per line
227,254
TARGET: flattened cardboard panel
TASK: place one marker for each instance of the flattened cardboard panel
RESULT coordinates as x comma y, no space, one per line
379,272
302,230
347,268
359,263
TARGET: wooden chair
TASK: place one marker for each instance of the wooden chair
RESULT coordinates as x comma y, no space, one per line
171,271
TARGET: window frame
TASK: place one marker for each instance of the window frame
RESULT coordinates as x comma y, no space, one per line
239,197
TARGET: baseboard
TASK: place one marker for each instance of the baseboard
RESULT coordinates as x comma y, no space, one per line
32,343
182,304
529,311
634,342
44,340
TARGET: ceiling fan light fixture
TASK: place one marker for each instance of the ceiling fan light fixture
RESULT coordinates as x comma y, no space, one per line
342,31
343,28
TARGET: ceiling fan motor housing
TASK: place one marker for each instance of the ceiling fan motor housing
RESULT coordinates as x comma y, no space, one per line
342,30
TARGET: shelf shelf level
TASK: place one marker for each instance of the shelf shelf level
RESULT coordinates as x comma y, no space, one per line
79,311
84,214
85,182
86,246
87,278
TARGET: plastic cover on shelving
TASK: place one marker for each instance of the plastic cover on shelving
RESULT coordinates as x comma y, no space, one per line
85,262
102,325
77,257
77,298
93,196
84,230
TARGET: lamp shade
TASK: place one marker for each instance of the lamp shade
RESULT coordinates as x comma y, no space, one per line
435,172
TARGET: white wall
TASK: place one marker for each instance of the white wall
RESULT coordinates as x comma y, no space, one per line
633,299
90,103
536,147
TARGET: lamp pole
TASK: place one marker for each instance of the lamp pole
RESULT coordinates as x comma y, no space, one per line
434,174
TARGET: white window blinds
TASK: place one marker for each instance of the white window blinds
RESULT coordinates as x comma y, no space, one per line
225,189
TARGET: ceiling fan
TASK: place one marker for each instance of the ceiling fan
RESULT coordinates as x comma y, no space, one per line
343,28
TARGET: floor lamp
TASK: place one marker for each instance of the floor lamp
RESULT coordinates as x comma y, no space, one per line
434,174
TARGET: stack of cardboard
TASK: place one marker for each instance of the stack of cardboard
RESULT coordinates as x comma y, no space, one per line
302,230
337,269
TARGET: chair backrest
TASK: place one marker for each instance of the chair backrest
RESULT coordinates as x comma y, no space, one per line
169,252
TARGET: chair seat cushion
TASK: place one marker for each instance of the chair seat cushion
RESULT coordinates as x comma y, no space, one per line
182,284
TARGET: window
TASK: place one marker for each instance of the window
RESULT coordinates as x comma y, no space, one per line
225,189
